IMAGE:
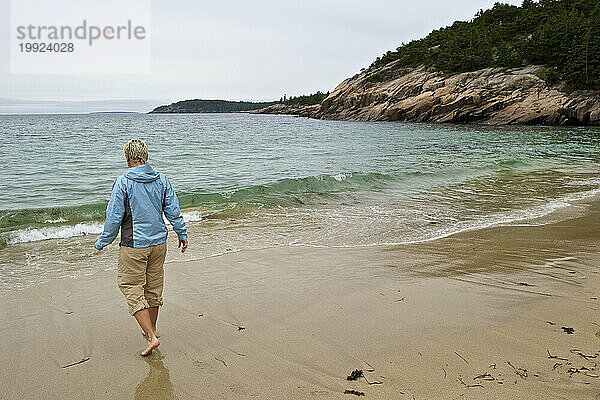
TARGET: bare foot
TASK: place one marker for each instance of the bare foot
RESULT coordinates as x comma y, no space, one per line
146,336
152,344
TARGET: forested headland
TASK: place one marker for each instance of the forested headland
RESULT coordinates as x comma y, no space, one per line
563,35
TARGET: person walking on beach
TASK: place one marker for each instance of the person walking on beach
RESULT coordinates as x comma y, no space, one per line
136,206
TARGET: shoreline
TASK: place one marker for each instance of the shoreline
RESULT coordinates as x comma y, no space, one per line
86,240
428,318
78,259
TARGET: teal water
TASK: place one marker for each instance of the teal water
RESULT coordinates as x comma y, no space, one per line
247,181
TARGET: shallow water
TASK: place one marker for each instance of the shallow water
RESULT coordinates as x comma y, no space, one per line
253,181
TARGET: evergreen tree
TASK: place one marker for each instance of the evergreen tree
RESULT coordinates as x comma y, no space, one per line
563,35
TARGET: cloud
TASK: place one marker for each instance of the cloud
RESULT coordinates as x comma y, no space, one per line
243,50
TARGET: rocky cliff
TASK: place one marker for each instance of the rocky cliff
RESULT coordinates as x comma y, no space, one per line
490,96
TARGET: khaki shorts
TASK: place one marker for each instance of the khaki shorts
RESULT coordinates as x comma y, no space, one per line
141,275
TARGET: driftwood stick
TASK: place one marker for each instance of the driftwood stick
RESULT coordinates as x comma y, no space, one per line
556,365
469,386
370,366
77,362
586,357
218,359
464,359
555,357
372,383
522,372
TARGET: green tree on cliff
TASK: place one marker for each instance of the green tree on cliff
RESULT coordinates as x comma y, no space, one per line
563,35
307,100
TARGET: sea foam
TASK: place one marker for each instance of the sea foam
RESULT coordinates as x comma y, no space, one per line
55,232
67,231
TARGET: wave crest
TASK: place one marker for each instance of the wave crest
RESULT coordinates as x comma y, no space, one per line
37,234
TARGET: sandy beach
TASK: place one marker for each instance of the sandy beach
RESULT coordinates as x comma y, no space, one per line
482,314
390,200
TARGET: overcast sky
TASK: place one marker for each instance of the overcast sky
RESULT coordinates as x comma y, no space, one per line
236,50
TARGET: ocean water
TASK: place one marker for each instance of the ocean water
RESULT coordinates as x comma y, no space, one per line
254,181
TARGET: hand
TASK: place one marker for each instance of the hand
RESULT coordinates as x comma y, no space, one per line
183,244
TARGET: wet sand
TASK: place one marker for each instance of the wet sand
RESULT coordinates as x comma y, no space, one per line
478,315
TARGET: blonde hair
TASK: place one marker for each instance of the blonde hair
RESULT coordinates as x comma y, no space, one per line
136,150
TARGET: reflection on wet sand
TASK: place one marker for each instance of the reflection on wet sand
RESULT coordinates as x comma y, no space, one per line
157,385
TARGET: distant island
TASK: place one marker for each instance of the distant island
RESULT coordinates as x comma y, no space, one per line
210,106
538,63
113,112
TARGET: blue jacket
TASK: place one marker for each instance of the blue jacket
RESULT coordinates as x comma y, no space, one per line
137,203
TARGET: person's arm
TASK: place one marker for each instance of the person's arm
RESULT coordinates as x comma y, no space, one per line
114,216
174,216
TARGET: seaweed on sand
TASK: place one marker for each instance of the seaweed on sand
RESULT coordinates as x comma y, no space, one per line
354,375
354,392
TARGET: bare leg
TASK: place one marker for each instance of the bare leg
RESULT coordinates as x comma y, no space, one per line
143,318
153,316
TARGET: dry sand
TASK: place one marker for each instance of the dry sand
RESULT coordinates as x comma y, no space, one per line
473,316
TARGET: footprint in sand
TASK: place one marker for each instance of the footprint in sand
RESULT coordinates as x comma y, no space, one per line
239,389
598,336
206,367
319,393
